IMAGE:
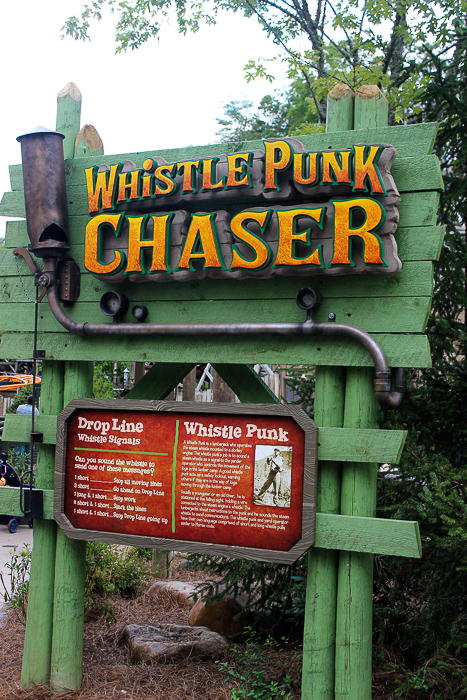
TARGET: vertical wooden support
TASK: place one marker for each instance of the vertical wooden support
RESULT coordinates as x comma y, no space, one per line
70,565
88,143
358,496
221,392
321,593
68,117
38,639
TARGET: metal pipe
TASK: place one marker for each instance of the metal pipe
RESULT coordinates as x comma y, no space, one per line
386,396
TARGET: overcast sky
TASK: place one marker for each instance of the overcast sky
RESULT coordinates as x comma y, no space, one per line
166,94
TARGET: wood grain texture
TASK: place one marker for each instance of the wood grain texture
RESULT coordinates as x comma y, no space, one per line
12,204
319,635
257,554
159,381
36,657
70,564
393,315
414,140
415,279
246,383
401,350
375,535
335,444
414,243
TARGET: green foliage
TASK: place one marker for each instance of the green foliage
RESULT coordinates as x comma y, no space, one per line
110,570
252,673
270,588
18,567
104,377
277,115
20,398
356,42
20,460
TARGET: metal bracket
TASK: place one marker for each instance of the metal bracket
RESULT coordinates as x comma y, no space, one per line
32,503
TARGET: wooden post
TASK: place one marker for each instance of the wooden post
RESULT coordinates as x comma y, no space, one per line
68,117
88,143
358,497
70,566
321,594
221,392
38,639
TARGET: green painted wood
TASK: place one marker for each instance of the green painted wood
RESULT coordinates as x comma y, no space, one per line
9,500
88,143
415,209
398,538
413,243
246,383
355,576
371,107
319,635
38,637
375,535
401,350
414,140
70,565
321,591
415,279
159,381
353,667
335,444
393,315
68,117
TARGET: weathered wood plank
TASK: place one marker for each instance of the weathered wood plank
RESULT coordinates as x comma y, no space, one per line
159,381
246,383
414,140
335,444
416,208
376,535
410,175
400,538
392,315
401,350
413,243
414,280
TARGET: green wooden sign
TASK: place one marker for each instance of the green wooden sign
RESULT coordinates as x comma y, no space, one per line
392,307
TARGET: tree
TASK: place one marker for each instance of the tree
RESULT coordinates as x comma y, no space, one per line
354,41
280,114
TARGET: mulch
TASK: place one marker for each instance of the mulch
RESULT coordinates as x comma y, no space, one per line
108,671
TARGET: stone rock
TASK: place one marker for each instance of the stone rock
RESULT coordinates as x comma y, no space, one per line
220,615
168,643
174,592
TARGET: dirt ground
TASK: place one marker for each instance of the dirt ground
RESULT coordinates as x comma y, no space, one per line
109,672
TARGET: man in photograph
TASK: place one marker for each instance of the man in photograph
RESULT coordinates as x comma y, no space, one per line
276,466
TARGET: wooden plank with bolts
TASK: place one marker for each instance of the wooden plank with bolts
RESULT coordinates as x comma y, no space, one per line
413,243
376,535
401,350
334,444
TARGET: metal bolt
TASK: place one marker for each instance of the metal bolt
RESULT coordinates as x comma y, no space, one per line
331,316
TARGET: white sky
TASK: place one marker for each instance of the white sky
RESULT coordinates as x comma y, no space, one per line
163,95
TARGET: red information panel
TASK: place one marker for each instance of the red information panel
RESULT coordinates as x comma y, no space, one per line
209,477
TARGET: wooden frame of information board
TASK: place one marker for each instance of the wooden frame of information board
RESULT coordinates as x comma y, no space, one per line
175,501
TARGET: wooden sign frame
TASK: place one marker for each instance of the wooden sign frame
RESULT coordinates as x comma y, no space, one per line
192,409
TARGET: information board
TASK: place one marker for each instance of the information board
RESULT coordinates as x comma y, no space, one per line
210,476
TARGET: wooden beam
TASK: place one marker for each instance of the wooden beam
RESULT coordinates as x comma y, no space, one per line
160,380
335,444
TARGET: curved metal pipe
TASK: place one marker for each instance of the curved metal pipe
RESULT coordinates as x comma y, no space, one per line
387,396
